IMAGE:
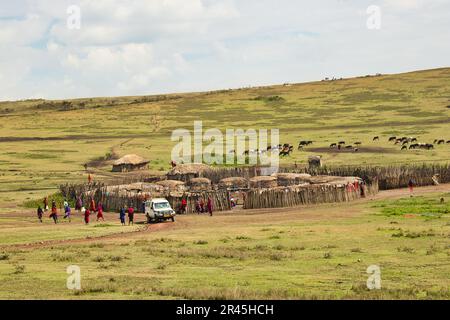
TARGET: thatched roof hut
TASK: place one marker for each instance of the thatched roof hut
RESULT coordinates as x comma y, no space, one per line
172,185
333,180
263,182
199,184
289,179
315,161
233,183
185,172
130,162
134,189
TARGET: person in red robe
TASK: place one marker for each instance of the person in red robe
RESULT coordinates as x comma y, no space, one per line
183,205
54,213
130,215
209,205
87,213
100,212
92,206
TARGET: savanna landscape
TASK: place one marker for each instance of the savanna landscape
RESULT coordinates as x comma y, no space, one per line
307,252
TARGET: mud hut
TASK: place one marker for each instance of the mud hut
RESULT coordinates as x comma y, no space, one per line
261,182
233,183
290,179
315,161
172,185
186,172
199,184
130,162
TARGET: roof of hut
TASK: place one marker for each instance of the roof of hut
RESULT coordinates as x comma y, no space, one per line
332,179
170,183
132,159
263,182
137,187
199,181
189,168
288,175
263,178
234,181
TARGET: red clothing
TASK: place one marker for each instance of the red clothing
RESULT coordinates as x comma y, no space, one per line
100,211
87,213
130,211
92,206
210,206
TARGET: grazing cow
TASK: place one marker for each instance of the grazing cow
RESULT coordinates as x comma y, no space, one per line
358,143
405,142
435,140
441,142
355,150
404,147
300,148
448,142
333,145
392,139
341,142
348,147
414,146
376,138
426,146
339,146
303,143
414,140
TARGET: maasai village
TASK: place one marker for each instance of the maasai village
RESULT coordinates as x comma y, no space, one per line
120,178
309,229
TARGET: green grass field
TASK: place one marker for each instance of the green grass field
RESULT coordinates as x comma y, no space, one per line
299,253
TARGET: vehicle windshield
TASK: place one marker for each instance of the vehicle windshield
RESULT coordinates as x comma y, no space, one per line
162,205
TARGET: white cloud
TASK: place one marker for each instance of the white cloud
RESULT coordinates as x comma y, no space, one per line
151,46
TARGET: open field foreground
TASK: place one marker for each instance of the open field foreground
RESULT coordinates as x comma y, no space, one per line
311,252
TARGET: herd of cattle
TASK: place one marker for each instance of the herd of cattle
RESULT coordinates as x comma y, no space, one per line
405,143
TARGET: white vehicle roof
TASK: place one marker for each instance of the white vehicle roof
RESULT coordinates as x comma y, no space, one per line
156,200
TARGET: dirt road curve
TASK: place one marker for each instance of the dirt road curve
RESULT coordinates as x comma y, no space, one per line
340,210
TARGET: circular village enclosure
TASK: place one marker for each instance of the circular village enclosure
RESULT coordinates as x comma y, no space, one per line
249,187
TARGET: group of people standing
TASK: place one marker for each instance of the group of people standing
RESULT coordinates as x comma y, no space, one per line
68,210
201,207
91,209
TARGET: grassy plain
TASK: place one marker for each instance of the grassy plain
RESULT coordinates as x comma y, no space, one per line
312,252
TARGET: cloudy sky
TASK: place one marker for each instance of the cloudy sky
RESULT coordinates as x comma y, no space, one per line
135,47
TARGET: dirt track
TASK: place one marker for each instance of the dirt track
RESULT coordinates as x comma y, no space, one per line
310,212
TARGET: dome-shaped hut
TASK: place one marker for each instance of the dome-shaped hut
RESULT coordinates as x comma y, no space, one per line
199,184
290,179
172,185
233,183
186,172
130,162
261,182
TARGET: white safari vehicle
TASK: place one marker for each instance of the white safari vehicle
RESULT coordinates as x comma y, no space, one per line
158,210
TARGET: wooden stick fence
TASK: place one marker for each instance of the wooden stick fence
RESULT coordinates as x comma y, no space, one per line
311,194
113,201
389,177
